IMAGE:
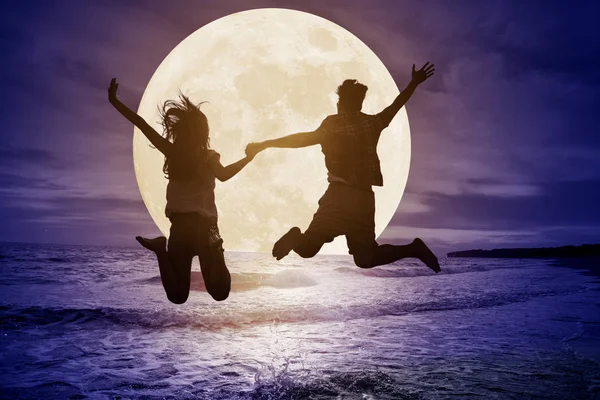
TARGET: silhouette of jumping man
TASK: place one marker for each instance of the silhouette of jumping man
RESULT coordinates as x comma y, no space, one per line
191,168
349,142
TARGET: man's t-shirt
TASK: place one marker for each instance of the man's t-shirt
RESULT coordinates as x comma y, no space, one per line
349,143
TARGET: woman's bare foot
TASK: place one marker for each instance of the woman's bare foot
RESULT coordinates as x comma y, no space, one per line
157,245
284,245
426,255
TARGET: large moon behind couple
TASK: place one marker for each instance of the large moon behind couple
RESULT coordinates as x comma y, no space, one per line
263,74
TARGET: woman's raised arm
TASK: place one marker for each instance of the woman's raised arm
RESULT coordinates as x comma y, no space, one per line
162,144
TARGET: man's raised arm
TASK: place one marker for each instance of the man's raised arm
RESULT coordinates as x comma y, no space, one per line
418,77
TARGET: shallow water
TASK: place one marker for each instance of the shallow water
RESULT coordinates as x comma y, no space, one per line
93,322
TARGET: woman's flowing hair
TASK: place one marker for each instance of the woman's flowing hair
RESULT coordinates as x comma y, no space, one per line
187,128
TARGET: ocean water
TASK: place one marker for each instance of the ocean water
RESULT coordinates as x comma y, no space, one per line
93,322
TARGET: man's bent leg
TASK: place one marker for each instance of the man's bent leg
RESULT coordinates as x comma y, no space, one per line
369,257
286,243
309,244
306,245
327,223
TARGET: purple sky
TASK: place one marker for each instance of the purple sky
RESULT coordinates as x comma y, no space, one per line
506,150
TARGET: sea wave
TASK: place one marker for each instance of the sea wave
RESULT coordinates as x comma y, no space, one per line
31,259
286,279
289,385
418,270
274,385
232,317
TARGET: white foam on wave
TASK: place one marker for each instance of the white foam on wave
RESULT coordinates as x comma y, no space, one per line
239,314
286,279
290,278
416,270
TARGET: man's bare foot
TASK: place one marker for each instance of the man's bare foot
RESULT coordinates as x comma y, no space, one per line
157,245
426,255
284,245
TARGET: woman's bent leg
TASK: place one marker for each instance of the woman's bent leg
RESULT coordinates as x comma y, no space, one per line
174,264
169,276
175,270
214,271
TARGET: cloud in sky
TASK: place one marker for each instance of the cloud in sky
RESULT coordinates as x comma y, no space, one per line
505,147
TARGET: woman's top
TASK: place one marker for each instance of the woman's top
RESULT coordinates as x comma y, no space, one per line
196,194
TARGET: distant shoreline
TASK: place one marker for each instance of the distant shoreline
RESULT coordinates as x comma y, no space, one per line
584,250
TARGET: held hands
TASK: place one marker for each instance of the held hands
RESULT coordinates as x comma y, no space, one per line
421,75
112,90
252,149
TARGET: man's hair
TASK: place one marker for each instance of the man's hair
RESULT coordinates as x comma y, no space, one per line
351,94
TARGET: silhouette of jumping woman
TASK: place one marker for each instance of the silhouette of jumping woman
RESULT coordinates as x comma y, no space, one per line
349,142
191,167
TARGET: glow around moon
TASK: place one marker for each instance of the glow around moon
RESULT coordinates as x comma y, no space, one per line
268,73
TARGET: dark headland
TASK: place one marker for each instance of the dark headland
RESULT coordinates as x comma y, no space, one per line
585,250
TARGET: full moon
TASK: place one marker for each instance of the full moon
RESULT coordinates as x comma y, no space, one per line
266,73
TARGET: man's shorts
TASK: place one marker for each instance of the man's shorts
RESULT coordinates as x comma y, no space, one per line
345,210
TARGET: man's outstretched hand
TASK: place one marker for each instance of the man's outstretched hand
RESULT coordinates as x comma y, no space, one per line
421,75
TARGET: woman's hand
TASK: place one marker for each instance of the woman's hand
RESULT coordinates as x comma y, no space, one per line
112,90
